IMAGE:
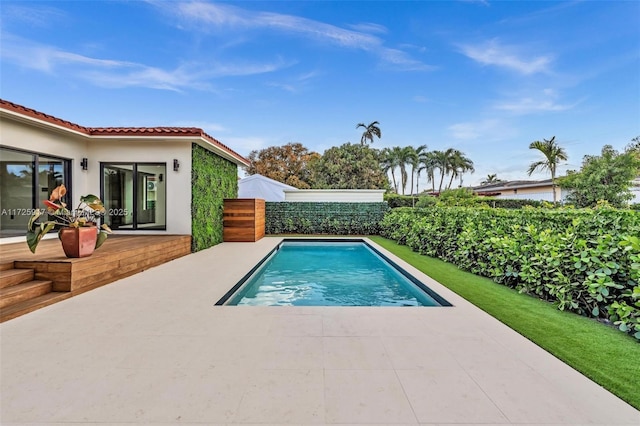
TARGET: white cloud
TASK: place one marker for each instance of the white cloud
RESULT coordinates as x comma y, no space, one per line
31,15
369,27
119,74
484,130
510,57
544,101
212,16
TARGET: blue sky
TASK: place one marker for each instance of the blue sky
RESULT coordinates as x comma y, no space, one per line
484,77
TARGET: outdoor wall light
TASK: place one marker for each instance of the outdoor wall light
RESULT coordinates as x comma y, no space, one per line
84,163
176,165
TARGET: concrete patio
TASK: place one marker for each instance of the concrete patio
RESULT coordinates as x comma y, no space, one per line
152,348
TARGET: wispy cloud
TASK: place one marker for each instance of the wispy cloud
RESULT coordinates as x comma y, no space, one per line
544,101
369,27
205,16
494,53
31,15
486,130
119,74
296,84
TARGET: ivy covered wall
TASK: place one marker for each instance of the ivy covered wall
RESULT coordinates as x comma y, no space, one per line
212,180
324,218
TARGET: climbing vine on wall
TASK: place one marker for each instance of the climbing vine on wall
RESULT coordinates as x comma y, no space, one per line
212,180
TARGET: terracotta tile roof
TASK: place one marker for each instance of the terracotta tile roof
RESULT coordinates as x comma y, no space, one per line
122,131
10,106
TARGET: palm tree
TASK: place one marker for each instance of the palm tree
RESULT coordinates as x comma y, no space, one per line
553,154
492,178
418,155
423,157
373,129
390,160
458,165
443,162
406,157
430,166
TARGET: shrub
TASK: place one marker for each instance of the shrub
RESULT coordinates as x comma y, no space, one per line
585,261
426,201
397,200
324,218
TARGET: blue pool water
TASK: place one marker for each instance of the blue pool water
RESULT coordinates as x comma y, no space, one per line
330,274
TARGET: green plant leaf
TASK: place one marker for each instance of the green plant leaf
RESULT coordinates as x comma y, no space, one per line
36,214
102,237
595,312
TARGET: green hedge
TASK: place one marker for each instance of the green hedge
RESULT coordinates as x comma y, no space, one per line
585,261
324,218
506,203
212,180
397,200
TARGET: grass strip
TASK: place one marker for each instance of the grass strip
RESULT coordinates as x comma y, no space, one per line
605,355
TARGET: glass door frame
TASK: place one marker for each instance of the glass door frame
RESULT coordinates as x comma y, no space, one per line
135,207
67,167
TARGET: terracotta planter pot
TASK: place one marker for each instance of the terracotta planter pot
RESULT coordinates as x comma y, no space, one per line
78,242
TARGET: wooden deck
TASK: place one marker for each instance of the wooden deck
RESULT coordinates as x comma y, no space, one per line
119,257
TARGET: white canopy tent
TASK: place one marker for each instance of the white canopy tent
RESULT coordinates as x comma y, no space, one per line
258,186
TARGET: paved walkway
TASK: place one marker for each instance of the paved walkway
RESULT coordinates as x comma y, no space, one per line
152,348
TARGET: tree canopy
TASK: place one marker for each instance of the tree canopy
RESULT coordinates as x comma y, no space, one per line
287,164
607,177
350,166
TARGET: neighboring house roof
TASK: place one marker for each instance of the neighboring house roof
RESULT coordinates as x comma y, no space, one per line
119,132
258,186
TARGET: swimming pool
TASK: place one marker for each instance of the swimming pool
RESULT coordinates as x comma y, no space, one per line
329,273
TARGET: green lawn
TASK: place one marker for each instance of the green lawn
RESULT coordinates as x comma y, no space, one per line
607,356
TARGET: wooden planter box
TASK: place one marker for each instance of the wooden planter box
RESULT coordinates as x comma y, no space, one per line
243,219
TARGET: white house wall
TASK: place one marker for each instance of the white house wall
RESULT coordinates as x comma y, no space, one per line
63,144
178,184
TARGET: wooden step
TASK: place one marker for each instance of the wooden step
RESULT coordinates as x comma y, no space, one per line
20,292
5,265
31,305
15,276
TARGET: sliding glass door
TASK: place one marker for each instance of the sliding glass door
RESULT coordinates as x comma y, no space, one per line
26,180
134,195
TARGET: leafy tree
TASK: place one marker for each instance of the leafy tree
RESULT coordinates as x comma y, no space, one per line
350,166
371,130
553,154
604,177
287,164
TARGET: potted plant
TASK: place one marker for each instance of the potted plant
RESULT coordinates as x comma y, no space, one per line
79,234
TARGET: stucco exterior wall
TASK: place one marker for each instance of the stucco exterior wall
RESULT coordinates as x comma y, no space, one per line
178,184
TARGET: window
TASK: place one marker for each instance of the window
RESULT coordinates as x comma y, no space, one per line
22,190
134,195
